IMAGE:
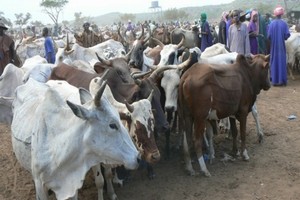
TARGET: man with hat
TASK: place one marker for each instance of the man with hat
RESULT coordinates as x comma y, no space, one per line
277,34
238,36
7,48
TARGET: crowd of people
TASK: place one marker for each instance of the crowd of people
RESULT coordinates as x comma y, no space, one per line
248,33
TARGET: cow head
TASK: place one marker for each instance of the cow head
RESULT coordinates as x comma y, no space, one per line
169,53
170,82
260,64
140,121
138,47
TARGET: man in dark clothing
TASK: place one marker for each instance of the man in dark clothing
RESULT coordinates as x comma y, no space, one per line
7,48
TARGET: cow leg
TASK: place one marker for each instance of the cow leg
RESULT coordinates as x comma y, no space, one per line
234,136
41,191
259,131
290,69
187,157
243,122
210,134
99,180
199,127
110,188
167,145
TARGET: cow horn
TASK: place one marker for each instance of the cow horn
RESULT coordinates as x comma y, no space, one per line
158,42
181,42
106,62
138,82
68,44
122,38
129,107
151,95
55,45
142,33
103,76
137,75
156,73
185,63
127,56
98,96
267,57
147,39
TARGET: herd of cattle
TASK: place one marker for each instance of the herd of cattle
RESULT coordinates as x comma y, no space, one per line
103,106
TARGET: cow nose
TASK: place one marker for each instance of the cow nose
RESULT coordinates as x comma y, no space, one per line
170,108
155,157
131,62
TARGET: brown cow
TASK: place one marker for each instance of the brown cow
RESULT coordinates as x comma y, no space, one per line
222,91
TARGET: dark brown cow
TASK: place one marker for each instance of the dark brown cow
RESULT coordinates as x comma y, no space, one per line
210,92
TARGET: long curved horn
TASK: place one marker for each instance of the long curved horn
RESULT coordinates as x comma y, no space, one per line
103,76
67,48
119,33
139,38
98,96
106,62
181,42
147,39
127,56
185,63
55,44
138,82
129,107
151,95
137,75
158,42
156,73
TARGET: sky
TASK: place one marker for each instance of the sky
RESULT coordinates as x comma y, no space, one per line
93,8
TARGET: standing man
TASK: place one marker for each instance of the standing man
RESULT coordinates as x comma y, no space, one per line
238,37
88,38
253,28
7,48
206,36
49,48
277,34
222,35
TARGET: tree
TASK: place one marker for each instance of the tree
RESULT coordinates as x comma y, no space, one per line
125,17
174,14
53,8
22,19
5,20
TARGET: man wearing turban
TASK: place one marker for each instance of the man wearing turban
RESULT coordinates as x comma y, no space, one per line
277,34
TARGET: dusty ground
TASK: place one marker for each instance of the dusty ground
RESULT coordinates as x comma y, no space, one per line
273,171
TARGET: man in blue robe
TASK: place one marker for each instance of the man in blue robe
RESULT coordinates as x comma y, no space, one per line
277,34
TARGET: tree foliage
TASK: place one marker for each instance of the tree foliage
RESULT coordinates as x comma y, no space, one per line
22,19
5,20
175,14
125,17
53,8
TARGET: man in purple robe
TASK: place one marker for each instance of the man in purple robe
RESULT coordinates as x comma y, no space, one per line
253,29
277,34
206,36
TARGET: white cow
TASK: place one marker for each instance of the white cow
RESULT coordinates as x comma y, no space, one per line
293,51
141,120
66,139
107,49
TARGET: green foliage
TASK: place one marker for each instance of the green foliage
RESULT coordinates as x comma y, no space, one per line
22,19
174,14
125,17
53,8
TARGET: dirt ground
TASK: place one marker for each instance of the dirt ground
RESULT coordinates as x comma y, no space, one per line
273,171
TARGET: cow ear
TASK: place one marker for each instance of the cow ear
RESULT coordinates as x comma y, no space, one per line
84,95
79,110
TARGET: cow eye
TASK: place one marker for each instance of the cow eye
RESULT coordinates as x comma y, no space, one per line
113,126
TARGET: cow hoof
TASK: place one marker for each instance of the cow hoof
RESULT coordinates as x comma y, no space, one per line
207,174
261,139
245,155
192,173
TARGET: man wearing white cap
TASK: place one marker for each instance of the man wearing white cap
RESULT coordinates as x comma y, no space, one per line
277,34
7,46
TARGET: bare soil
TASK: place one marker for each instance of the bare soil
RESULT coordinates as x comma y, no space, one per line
273,171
